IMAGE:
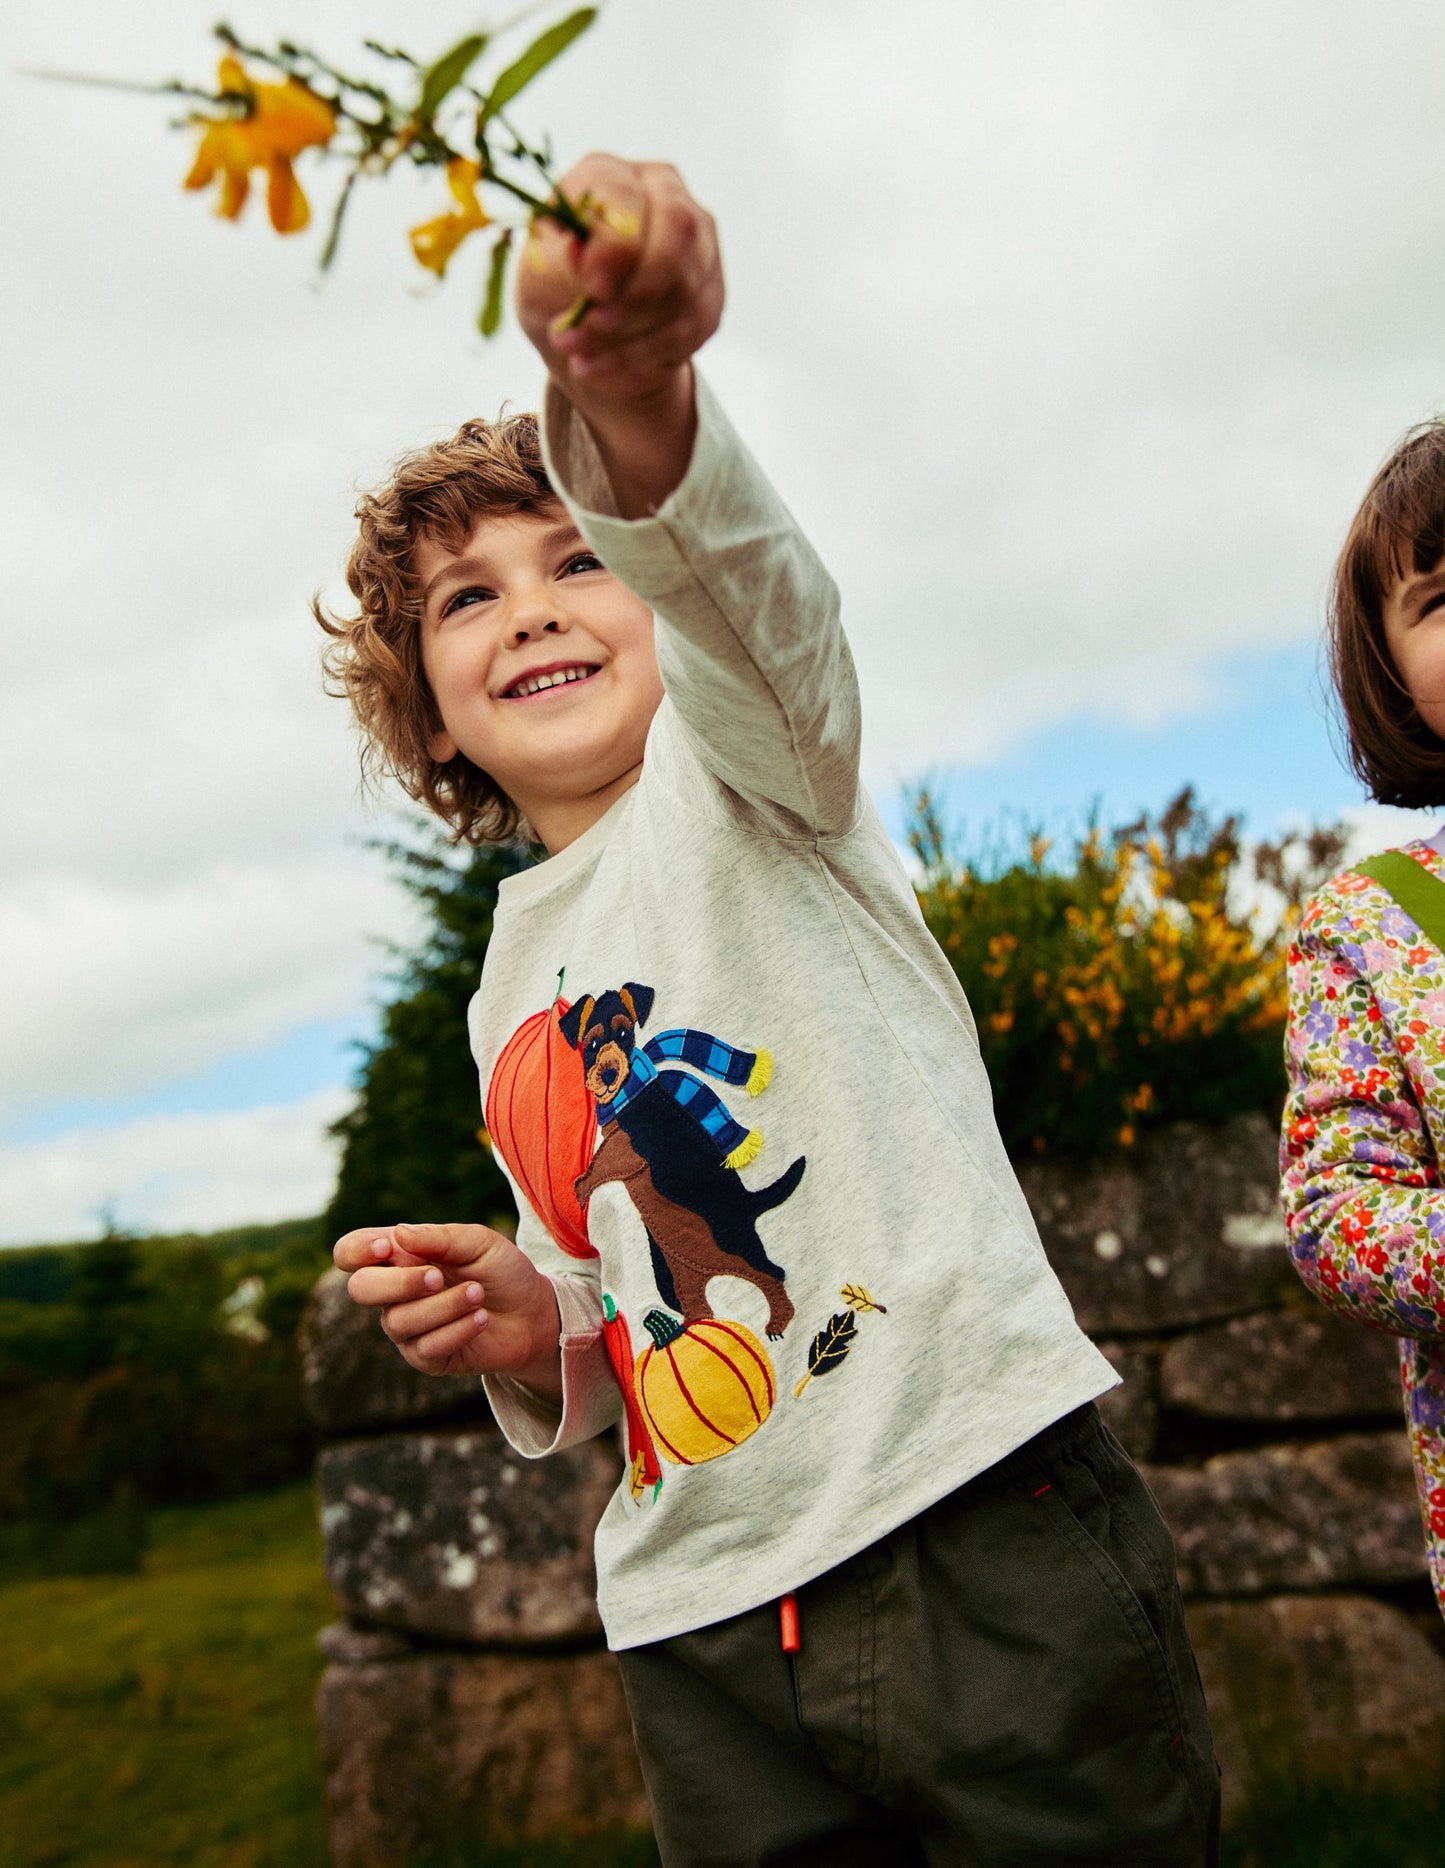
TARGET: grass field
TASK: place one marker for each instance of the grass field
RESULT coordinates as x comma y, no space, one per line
166,1717
164,1720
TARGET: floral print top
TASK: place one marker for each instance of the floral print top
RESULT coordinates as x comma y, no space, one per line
1360,1152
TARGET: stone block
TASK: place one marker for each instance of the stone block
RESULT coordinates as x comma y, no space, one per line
1131,1411
345,1642
454,1535
1284,1365
1336,1690
443,1752
355,1382
1325,1514
1185,1231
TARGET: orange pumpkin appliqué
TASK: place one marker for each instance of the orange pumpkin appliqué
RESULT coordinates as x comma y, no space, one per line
543,1124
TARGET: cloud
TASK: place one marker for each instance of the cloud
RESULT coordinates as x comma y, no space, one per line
128,986
173,1173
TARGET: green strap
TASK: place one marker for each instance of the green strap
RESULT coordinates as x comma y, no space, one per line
1420,894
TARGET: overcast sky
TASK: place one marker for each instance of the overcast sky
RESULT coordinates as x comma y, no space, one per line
1072,333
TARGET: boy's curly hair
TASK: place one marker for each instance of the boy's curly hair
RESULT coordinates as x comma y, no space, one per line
1399,527
374,658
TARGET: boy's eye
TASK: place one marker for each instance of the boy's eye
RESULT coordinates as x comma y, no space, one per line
461,599
1432,603
582,561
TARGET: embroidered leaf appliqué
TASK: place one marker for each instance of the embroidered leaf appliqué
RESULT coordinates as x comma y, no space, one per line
829,1346
859,1297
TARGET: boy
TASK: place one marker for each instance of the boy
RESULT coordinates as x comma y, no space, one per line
851,1382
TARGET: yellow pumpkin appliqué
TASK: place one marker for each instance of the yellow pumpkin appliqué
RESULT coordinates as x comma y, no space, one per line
703,1388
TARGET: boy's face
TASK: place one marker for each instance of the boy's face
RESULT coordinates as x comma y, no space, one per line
1414,615
542,666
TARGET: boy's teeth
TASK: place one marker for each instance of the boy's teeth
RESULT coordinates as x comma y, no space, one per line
534,684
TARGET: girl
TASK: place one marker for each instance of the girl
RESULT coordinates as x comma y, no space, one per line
1364,1122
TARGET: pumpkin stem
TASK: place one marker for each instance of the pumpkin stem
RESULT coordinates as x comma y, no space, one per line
561,975
662,1327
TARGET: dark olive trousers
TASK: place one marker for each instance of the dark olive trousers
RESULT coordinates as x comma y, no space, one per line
1004,1679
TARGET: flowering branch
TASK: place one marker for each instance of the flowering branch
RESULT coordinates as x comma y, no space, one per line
445,121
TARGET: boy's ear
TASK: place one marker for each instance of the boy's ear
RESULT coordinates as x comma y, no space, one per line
574,1019
441,747
639,999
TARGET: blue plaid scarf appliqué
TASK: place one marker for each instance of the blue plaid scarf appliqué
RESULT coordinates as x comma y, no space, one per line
701,1051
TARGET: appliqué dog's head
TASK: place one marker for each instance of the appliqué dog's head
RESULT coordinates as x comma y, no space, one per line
604,1032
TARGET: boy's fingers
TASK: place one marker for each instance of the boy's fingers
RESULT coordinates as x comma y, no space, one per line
617,208
409,1322
368,1245
443,1245
681,249
432,1352
608,261
674,318
376,1285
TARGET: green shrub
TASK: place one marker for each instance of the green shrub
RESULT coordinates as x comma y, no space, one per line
410,1147
145,1383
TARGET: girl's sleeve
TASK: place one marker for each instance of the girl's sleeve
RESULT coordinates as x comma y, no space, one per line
1363,1205
749,642
591,1399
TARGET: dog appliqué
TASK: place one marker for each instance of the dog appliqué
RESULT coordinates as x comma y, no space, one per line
671,1141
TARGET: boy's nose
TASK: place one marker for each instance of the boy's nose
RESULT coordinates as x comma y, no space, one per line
530,625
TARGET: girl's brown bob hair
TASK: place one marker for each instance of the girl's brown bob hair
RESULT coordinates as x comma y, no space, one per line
374,658
1400,527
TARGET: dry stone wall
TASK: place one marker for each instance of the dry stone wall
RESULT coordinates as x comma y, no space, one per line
1271,1433
468,1697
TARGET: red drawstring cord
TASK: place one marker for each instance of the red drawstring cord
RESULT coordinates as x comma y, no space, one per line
788,1622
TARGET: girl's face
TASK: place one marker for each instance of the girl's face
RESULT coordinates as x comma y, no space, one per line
1415,636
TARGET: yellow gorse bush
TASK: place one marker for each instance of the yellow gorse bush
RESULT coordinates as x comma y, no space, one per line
1126,987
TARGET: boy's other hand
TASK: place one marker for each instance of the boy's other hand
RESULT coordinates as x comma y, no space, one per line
457,1300
651,278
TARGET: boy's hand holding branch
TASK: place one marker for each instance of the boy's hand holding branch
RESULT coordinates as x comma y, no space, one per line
457,1300
651,280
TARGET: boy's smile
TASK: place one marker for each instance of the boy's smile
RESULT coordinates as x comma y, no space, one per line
541,665
548,680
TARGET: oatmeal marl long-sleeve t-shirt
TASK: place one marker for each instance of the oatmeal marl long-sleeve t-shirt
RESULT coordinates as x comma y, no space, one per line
801,1269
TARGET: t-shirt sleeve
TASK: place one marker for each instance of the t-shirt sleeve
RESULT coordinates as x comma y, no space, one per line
750,645
591,1399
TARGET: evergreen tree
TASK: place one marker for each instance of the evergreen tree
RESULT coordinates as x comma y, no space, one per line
410,1145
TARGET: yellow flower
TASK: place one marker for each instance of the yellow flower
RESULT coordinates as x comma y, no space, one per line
282,120
435,241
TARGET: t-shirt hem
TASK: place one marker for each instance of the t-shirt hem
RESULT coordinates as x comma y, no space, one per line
784,1566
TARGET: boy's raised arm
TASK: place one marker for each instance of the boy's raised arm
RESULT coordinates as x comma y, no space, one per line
653,276
749,644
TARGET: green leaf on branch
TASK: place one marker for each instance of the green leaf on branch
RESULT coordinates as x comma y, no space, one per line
491,317
537,57
446,74
333,236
